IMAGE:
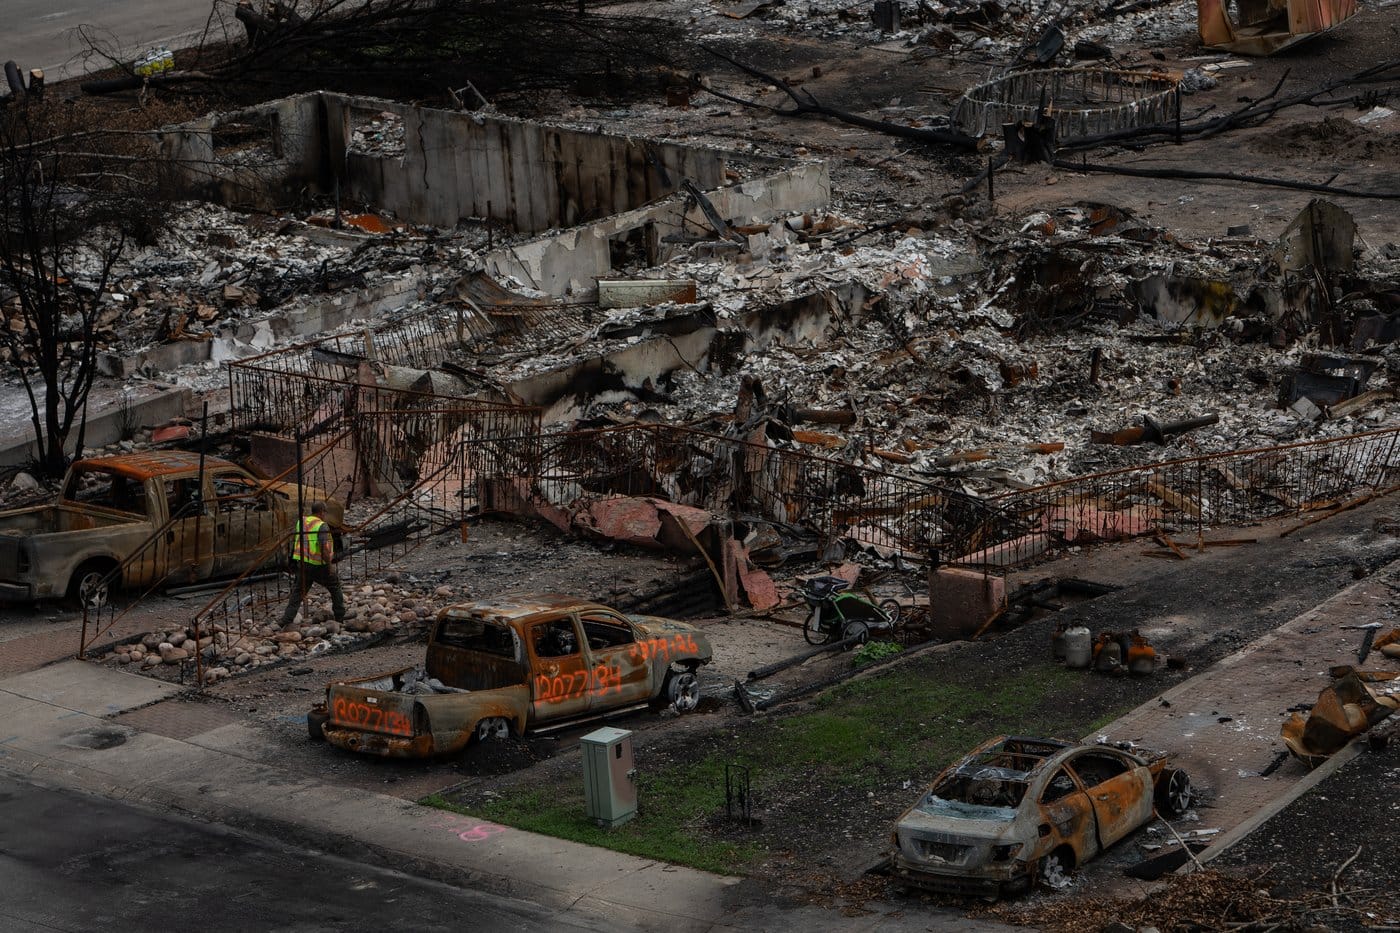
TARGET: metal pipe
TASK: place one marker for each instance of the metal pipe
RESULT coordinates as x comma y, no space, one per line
759,673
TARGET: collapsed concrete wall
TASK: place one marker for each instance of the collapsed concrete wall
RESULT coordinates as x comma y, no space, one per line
254,159
529,176
569,262
428,166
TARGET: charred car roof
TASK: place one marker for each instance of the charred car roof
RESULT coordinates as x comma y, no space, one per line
516,606
151,463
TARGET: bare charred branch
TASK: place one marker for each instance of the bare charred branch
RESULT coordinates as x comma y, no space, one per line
65,220
806,104
1194,174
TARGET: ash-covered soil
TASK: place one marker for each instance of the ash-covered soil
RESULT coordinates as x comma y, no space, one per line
1346,830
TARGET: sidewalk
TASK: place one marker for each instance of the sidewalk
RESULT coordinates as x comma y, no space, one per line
1223,724
57,732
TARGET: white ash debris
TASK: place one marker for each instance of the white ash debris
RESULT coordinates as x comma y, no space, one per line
236,280
939,363
224,650
988,26
418,682
378,134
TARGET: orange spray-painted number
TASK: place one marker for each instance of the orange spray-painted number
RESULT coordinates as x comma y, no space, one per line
372,718
597,682
662,647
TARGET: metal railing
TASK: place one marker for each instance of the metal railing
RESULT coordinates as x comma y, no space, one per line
201,538
894,514
302,386
1188,494
421,471
813,495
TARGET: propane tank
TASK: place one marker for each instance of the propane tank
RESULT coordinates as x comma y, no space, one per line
1108,654
1078,646
1142,659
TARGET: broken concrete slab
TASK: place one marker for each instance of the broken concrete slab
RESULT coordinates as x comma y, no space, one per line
1321,237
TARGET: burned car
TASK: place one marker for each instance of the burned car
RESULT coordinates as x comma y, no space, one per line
1019,810
515,664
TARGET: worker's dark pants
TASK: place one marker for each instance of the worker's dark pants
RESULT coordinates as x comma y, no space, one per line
303,575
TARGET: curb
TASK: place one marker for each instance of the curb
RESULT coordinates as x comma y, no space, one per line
1314,777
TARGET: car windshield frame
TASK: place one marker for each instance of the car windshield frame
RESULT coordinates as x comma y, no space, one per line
934,805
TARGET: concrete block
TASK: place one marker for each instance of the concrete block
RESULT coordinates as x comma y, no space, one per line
107,425
961,600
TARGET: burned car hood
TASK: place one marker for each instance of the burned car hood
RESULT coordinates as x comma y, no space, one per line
656,625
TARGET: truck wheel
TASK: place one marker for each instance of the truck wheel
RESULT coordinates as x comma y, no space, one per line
88,587
683,690
316,723
495,729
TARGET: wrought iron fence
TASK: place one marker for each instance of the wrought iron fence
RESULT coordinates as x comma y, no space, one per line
894,514
1189,494
417,472
415,475
302,386
221,522
809,494
310,385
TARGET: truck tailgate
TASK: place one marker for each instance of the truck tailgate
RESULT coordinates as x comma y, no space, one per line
371,710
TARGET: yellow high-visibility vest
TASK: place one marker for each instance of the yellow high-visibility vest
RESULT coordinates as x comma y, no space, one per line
308,542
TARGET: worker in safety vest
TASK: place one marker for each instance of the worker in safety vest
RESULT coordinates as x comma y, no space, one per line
313,556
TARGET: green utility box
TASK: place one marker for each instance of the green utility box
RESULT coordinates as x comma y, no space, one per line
609,778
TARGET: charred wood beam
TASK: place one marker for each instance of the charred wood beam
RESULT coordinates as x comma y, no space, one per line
806,104
15,80
795,414
136,82
713,216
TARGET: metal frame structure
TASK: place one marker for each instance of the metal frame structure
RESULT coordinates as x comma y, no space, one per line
1122,100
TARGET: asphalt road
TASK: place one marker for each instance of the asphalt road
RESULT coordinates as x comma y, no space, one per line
75,863
41,34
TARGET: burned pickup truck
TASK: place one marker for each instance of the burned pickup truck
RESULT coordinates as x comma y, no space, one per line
142,518
513,665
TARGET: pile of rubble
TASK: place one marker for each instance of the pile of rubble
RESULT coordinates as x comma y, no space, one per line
1102,320
372,612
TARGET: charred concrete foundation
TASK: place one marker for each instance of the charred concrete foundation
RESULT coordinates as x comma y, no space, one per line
441,167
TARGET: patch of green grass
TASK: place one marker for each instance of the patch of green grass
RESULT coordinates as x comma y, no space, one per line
867,734
874,651
671,807
905,723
